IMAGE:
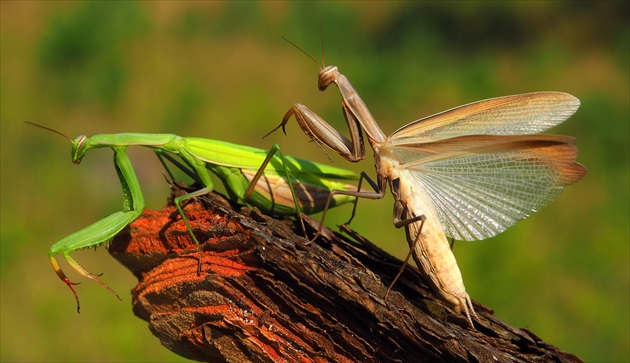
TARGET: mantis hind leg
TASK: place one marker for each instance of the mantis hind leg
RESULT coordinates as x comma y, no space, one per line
403,223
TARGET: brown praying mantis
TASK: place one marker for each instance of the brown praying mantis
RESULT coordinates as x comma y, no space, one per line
467,173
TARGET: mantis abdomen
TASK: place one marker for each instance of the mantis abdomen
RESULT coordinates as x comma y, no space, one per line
432,251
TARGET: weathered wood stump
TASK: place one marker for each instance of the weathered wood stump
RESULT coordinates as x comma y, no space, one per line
265,294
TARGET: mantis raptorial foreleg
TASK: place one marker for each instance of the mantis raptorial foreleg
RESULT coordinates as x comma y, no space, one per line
105,229
322,133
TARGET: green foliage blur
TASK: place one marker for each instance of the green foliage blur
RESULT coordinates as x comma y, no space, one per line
221,70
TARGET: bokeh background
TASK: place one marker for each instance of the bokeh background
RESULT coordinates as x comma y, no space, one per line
221,70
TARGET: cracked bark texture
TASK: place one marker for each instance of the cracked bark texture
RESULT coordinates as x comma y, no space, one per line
265,294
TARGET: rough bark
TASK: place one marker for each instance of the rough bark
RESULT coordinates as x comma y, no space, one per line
265,294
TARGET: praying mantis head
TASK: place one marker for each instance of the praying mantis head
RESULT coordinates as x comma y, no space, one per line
79,149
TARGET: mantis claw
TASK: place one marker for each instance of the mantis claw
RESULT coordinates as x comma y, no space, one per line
66,281
276,128
83,272
76,297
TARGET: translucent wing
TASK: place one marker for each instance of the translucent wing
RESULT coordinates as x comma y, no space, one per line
480,185
524,114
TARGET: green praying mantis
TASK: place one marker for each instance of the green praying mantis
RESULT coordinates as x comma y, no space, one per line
275,183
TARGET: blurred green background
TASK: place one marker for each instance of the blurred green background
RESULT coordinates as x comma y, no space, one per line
221,70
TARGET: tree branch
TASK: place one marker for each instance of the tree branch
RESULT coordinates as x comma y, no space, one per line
267,295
